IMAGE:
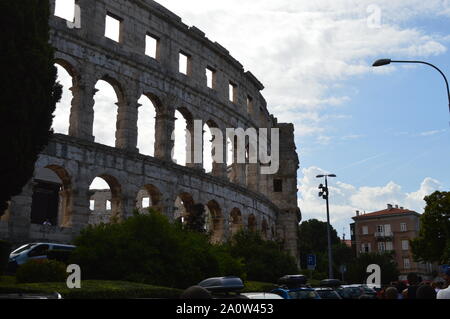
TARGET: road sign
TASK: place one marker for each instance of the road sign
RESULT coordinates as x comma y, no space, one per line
311,262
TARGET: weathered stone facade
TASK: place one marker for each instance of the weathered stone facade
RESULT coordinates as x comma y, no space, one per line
236,196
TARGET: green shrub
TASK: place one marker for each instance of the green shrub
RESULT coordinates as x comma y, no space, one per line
147,248
59,255
44,270
264,260
5,250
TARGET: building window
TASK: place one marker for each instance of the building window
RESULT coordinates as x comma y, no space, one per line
365,248
152,46
65,9
381,247
389,246
184,63
92,205
278,185
380,229
232,92
405,244
113,26
210,78
365,230
108,205
403,227
406,263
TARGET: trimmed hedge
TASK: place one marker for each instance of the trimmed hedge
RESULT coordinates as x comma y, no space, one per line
5,250
94,289
36,271
59,255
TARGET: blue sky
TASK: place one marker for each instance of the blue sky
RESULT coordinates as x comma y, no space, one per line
384,132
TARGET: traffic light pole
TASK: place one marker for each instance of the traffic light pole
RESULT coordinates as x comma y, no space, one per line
330,257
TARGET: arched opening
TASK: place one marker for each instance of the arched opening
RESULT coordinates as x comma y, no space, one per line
235,221
184,206
105,200
214,221
252,225
106,104
52,196
146,126
149,197
61,116
181,136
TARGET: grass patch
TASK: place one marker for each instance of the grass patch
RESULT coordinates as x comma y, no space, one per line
93,289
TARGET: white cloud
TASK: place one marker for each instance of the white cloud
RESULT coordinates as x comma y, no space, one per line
345,199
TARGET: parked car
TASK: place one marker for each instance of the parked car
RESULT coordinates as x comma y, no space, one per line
224,287
350,291
295,287
296,293
261,295
33,251
327,293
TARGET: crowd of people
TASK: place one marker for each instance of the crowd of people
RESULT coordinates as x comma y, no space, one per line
415,288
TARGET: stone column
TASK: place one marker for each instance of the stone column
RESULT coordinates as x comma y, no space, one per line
219,168
253,171
164,127
194,143
80,208
127,117
82,111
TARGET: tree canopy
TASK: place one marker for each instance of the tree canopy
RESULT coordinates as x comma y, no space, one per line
433,243
29,91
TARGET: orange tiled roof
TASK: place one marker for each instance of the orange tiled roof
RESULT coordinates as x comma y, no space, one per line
387,212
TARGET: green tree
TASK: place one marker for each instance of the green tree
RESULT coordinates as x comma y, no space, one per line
264,260
29,92
433,243
357,270
313,239
149,249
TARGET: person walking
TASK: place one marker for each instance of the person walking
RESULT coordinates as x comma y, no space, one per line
413,285
445,293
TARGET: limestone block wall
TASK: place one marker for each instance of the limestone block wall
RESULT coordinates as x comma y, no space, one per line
83,50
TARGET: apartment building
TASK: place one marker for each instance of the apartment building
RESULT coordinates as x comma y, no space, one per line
390,230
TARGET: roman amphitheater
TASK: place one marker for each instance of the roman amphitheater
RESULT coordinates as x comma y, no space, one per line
211,87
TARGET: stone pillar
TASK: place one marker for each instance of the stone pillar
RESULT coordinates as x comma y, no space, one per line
194,143
219,168
253,174
127,117
80,208
164,128
82,111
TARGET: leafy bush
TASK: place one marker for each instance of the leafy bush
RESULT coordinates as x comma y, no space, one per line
264,260
149,249
5,250
44,270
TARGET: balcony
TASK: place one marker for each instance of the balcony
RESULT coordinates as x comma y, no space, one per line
384,235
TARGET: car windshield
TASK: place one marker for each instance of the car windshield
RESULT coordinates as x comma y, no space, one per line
303,294
22,248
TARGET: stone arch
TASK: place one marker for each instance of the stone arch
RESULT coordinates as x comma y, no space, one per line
214,221
184,206
52,198
108,203
235,222
154,196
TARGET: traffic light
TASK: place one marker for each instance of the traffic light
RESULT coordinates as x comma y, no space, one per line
323,191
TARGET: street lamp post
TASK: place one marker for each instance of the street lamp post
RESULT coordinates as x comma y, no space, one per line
324,194
383,62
